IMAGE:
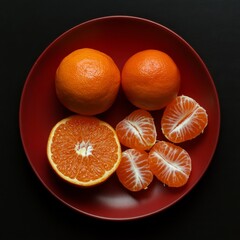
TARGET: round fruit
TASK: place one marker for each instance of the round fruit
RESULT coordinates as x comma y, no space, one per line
150,79
83,150
87,81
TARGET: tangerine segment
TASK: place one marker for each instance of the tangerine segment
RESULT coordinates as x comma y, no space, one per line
171,164
83,150
183,119
137,130
134,170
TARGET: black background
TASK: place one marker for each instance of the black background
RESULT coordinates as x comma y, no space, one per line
210,210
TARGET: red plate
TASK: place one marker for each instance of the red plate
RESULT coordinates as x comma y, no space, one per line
120,37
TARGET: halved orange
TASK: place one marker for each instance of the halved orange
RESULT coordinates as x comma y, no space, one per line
83,150
170,163
137,130
183,119
134,170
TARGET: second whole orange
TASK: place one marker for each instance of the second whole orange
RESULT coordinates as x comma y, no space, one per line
87,81
150,79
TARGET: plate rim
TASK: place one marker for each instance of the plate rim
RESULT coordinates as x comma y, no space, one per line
68,31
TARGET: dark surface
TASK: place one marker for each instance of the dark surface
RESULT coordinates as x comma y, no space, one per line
210,210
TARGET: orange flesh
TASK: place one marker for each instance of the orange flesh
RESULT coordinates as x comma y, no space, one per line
84,149
183,119
137,130
134,170
170,164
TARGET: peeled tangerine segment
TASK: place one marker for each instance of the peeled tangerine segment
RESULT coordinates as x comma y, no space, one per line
134,171
170,163
183,119
137,130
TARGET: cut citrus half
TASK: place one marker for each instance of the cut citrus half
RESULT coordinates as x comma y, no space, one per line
137,130
171,164
134,170
183,119
83,150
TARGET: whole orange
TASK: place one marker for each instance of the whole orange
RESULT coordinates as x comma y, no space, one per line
87,81
150,79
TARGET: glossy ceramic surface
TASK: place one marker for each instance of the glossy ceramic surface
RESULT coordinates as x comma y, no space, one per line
120,37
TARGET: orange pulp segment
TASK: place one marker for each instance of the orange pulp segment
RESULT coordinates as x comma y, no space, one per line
134,170
137,130
183,119
171,164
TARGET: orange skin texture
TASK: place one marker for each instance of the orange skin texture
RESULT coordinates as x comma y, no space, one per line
150,79
87,81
